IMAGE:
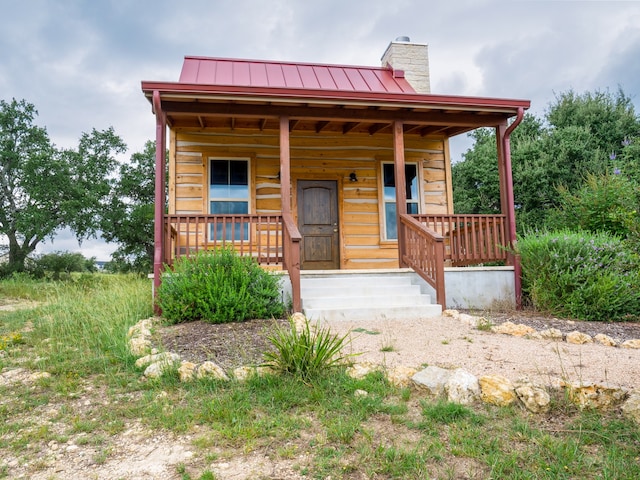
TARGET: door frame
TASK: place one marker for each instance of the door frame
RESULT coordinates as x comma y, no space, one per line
340,199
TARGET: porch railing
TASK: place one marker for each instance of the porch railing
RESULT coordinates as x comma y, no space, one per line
470,239
423,251
273,240
430,240
258,236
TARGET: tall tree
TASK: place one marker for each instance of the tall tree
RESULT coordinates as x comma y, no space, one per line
43,189
128,219
592,133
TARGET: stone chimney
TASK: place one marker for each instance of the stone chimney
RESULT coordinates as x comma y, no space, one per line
413,58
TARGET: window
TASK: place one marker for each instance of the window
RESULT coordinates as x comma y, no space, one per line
389,196
229,195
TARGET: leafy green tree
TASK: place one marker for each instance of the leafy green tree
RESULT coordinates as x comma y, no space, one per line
128,218
43,189
59,263
592,133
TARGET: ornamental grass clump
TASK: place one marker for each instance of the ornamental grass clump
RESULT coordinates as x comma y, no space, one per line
219,287
589,276
305,352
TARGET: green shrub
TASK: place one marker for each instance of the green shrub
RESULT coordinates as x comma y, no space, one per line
306,353
604,203
590,276
218,287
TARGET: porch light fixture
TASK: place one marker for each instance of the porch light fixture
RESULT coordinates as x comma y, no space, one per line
353,177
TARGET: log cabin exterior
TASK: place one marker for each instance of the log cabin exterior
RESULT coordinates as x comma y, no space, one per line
322,167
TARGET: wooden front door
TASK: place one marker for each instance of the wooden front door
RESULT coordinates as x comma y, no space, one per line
318,224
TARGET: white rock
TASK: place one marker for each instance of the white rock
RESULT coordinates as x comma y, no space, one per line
451,313
510,328
635,344
432,379
361,370
299,320
187,371
535,398
550,334
471,320
360,393
596,396
631,407
211,370
578,338
605,340
496,390
139,346
401,376
462,387
168,357
157,369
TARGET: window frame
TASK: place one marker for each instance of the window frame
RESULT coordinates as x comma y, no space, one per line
384,239
248,198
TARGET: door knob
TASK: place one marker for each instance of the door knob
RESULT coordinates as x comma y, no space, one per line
335,229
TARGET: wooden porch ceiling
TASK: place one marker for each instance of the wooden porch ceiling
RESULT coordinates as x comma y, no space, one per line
370,119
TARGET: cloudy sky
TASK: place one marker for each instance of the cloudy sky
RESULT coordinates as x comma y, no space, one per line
80,62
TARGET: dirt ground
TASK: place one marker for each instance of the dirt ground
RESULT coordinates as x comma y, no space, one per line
438,341
141,453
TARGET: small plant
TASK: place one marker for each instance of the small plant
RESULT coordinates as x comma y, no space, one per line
305,352
484,325
219,287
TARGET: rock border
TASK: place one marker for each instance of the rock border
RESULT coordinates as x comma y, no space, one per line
456,385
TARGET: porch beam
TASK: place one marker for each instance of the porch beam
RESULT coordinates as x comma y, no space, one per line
458,119
401,185
158,228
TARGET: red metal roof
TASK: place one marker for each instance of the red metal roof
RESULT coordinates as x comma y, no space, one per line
306,76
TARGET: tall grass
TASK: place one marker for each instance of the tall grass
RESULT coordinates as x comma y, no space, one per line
80,326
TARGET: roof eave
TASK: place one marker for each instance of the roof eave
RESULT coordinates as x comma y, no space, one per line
193,91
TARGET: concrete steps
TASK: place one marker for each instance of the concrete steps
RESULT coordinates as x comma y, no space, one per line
363,295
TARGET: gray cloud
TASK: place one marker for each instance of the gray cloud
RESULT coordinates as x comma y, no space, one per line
81,63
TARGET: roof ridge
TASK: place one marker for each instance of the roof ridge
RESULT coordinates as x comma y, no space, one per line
286,62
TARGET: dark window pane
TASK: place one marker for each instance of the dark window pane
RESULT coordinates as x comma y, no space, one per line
238,172
219,172
412,208
389,175
230,231
411,173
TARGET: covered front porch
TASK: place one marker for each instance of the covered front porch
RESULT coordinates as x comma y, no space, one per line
428,243
354,174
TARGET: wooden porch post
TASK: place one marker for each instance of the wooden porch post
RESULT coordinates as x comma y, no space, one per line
291,236
158,229
401,184
508,204
285,166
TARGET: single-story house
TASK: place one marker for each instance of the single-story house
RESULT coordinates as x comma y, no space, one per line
326,169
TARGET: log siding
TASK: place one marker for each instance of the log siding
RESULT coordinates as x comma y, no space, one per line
324,155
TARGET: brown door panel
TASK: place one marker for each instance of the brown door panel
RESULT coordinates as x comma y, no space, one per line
318,224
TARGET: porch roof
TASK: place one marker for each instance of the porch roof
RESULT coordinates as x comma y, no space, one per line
253,94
